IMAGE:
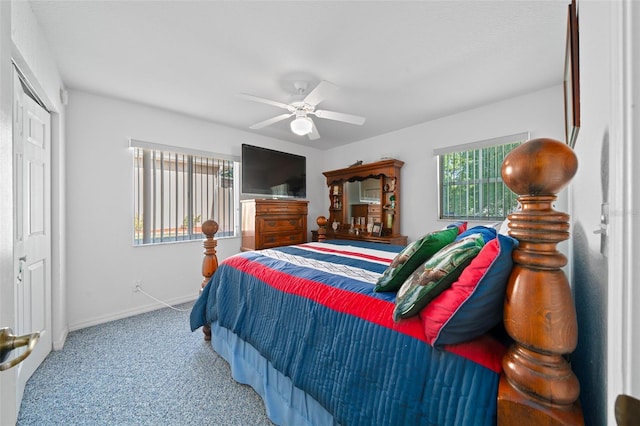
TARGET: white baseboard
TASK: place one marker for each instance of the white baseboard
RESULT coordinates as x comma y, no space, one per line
130,312
58,344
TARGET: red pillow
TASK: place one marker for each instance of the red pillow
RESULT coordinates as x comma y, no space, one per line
474,303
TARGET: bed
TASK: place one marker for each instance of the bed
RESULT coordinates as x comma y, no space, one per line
313,329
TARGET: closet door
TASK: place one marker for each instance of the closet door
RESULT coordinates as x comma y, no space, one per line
32,245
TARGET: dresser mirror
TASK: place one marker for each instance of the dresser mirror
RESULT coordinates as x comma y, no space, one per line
365,191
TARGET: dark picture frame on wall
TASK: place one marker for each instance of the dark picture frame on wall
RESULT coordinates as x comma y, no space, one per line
572,78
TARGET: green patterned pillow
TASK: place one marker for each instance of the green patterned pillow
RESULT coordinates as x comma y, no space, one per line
412,256
436,275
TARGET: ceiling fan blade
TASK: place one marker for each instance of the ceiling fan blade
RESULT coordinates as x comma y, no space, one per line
323,90
265,101
340,116
270,121
313,134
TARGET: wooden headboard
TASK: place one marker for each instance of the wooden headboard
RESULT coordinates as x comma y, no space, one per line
537,386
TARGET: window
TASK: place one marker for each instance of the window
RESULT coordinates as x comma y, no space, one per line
470,180
175,190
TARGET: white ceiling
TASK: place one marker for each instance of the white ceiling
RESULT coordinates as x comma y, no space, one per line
397,63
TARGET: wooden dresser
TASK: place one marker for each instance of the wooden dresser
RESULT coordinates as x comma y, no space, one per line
270,223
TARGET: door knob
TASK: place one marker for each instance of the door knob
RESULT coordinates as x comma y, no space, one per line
9,342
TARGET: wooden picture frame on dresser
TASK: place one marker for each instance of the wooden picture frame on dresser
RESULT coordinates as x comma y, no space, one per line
386,211
268,223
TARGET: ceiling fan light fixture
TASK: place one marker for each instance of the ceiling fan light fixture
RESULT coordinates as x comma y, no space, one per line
301,125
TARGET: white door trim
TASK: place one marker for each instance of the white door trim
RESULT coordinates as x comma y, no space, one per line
7,314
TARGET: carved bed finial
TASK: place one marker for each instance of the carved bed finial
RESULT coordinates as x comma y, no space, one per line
538,386
322,228
210,260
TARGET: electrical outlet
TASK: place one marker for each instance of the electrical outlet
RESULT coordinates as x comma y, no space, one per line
137,286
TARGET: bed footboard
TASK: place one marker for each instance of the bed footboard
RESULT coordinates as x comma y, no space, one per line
538,386
210,260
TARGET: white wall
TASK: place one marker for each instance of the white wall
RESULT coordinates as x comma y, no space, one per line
590,190
540,113
102,261
606,282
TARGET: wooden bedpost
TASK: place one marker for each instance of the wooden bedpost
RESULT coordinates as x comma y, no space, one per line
210,261
538,386
322,228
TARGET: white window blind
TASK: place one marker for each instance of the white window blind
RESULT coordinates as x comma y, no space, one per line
470,179
176,189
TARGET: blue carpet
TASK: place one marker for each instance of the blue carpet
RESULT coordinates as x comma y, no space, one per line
149,369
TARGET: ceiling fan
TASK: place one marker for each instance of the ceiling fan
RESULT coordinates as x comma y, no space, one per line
302,123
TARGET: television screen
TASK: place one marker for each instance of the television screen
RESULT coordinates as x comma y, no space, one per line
273,173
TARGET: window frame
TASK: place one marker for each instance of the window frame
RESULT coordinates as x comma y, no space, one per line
482,181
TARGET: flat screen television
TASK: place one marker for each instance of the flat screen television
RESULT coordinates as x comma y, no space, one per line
274,174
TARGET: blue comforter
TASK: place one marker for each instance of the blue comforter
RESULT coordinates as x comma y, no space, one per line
312,312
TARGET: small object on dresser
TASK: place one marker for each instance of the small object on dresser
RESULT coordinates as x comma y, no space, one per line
392,185
357,163
376,229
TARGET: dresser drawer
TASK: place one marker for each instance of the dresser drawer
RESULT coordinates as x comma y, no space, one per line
280,208
276,239
280,223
